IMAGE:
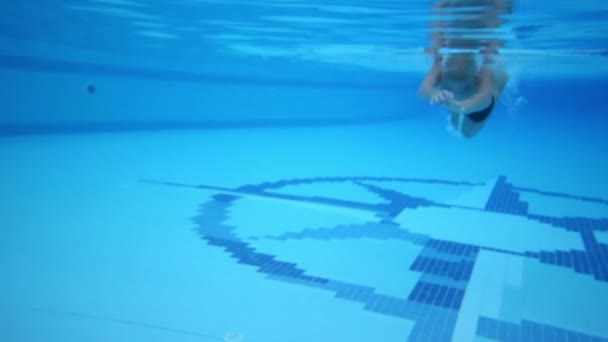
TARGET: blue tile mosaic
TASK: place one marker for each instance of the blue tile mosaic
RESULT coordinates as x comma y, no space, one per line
502,331
576,224
397,199
561,195
445,267
268,264
505,200
437,295
381,231
593,260
458,271
453,248
433,325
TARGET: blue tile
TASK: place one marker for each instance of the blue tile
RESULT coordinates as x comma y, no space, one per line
503,332
446,268
528,331
561,335
414,293
225,198
567,260
430,291
575,337
537,333
424,263
422,292
525,333
560,257
514,333
416,265
449,297
441,296
468,271
457,301
482,327
549,334
295,272
456,270
430,266
593,265
492,326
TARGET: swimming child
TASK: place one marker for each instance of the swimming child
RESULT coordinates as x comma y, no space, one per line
468,89
469,92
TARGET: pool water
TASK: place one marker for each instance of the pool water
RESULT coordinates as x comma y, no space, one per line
223,171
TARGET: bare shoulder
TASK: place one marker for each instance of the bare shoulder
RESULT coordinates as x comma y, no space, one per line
496,75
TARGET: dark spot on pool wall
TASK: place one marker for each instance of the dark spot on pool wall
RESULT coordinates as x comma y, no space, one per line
91,89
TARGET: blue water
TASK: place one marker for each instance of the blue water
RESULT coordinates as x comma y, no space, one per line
231,171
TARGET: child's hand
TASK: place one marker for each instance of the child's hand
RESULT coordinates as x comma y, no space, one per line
442,96
455,107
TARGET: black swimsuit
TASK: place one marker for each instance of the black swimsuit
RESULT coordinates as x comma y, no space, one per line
483,114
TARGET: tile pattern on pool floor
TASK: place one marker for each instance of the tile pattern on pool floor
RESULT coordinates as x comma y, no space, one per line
459,289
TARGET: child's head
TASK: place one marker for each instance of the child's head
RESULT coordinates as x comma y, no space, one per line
459,67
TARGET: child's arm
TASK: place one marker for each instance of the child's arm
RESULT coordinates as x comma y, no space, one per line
482,97
427,87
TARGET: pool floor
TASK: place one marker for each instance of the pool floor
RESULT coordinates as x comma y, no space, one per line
387,232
